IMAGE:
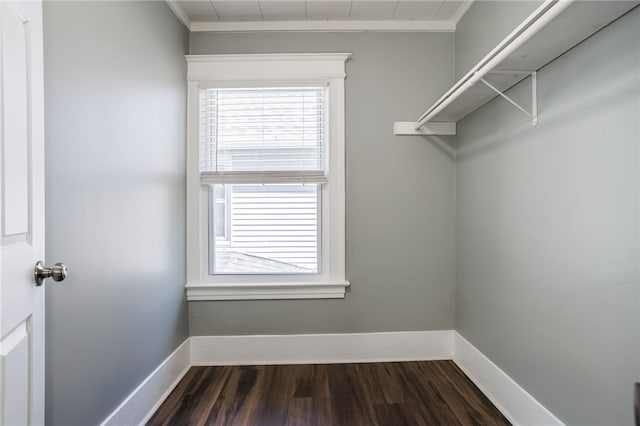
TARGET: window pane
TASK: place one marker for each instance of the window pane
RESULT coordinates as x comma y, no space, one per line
262,129
220,224
273,230
220,212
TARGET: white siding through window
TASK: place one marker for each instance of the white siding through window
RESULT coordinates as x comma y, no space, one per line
273,229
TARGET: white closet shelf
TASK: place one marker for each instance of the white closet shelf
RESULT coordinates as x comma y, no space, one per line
552,29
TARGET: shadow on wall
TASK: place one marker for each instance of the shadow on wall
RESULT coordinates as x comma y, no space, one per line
588,104
444,144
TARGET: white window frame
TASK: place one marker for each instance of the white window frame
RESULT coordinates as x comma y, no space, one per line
268,70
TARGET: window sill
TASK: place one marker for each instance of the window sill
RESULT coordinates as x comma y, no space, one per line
320,290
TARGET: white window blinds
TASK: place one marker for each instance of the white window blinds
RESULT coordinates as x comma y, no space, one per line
263,135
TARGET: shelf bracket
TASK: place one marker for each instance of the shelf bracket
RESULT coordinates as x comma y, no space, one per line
533,115
407,128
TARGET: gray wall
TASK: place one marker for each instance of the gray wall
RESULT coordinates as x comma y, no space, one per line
400,199
115,142
547,231
483,26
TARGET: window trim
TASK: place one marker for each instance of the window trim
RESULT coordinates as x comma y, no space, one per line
268,70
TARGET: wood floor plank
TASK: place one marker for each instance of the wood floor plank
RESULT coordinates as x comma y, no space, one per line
276,392
216,380
312,381
165,411
242,400
478,404
347,397
395,414
425,398
466,413
309,411
368,376
370,394
391,383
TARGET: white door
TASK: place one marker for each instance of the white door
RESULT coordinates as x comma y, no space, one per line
21,213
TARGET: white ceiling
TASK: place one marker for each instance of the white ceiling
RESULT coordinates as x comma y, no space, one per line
239,15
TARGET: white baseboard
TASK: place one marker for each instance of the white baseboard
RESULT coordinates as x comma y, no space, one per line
517,405
140,405
322,348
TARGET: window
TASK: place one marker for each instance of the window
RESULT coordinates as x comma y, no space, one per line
265,195
262,150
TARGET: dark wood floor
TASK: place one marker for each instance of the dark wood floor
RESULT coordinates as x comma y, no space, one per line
393,394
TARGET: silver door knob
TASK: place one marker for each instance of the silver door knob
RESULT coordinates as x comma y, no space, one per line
58,272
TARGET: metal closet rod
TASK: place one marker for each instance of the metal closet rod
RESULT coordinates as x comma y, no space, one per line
538,19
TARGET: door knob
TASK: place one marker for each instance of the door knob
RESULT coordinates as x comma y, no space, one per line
58,272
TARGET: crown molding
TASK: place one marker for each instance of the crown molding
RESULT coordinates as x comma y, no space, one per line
326,26
466,4
180,13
